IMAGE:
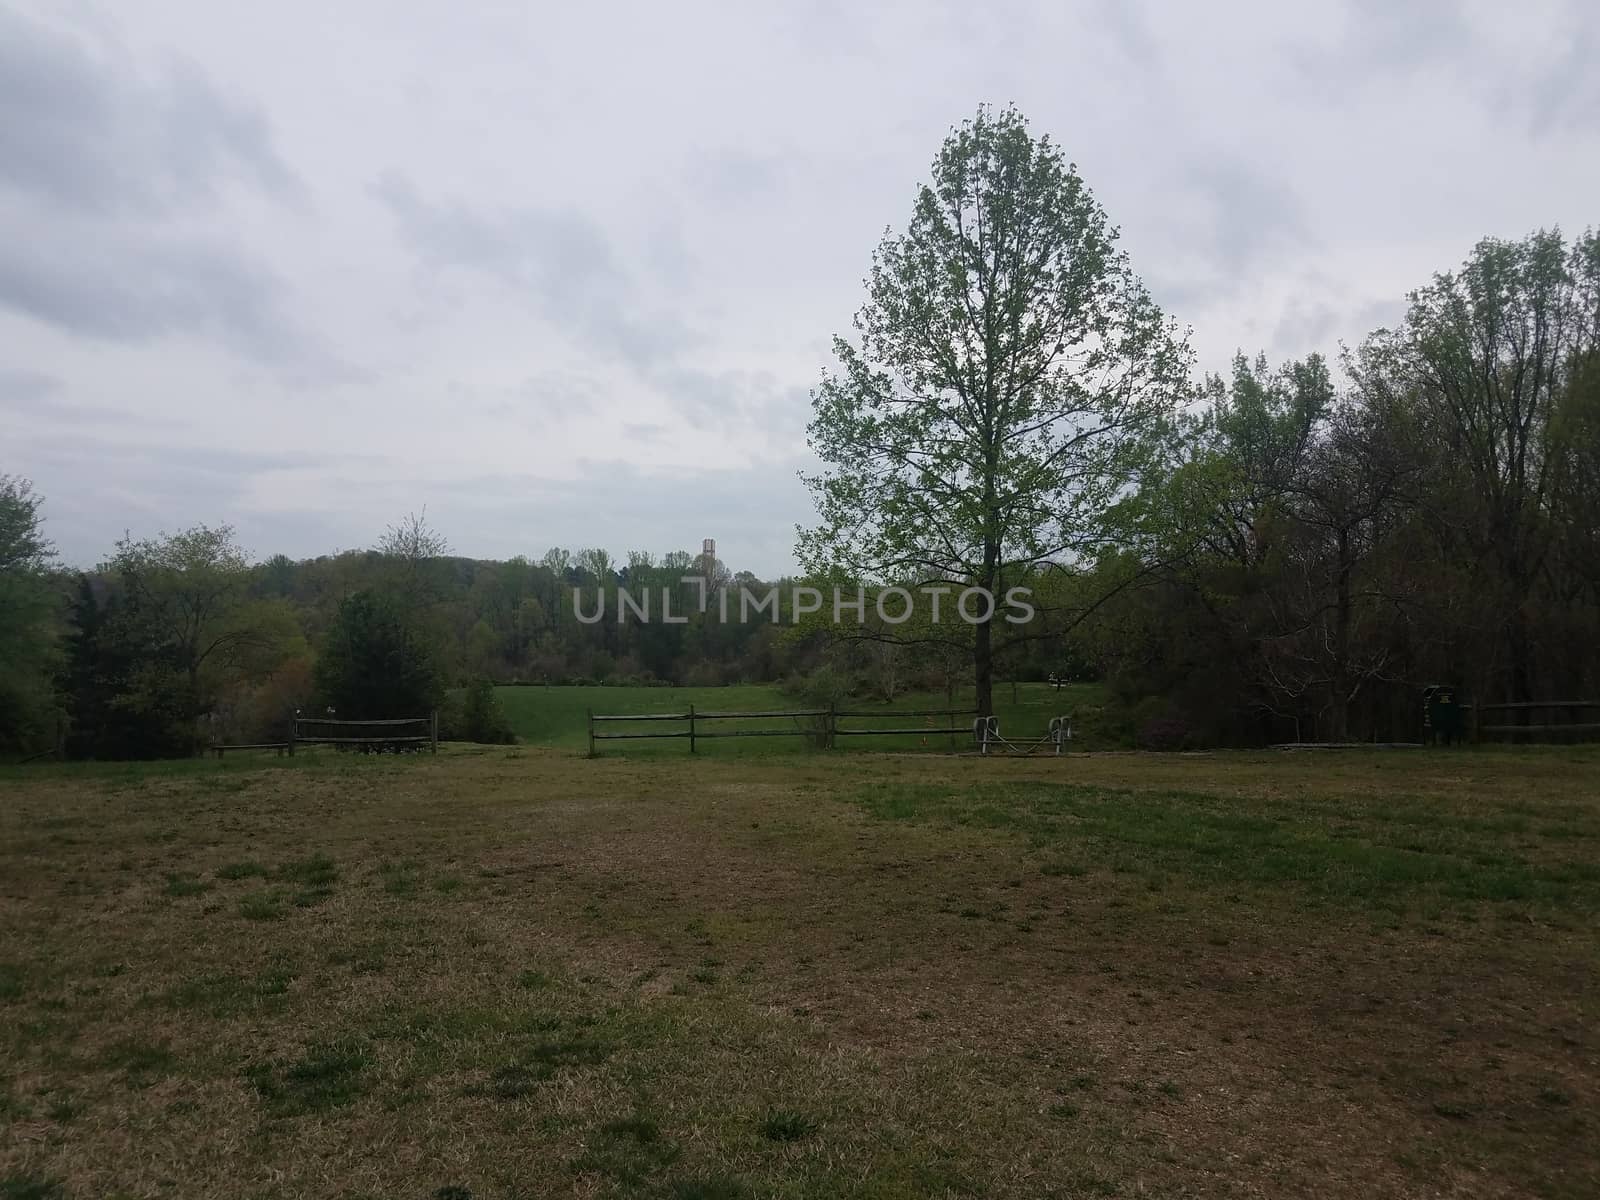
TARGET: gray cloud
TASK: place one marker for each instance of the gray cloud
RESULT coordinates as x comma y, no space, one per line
1247,211
1237,220
99,169
34,398
1565,94
20,386
89,133
562,266
1380,39
1309,324
559,262
136,488
537,404
643,432
738,174
754,400
100,482
1130,31
101,283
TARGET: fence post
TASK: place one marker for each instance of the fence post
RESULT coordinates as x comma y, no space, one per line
691,729
433,732
294,725
590,713
833,725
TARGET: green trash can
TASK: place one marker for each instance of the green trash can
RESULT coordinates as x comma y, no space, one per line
1444,718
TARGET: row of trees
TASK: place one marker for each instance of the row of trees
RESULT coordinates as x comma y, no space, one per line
1272,553
178,640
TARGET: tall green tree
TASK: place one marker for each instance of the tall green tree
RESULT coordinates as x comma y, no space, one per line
124,693
187,606
28,622
1577,482
1489,352
374,665
1008,375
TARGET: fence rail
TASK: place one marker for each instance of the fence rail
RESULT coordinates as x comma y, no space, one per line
1542,728
825,727
301,733
220,749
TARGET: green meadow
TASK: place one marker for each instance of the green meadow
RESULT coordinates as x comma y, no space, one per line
505,973
558,717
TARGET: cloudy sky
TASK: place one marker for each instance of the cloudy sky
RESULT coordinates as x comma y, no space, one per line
565,274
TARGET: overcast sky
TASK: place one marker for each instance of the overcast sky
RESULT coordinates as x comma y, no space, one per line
565,274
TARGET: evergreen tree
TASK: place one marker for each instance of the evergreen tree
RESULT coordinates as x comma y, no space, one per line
374,666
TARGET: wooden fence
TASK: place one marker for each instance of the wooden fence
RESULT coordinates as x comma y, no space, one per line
370,737
824,726
1546,727
821,725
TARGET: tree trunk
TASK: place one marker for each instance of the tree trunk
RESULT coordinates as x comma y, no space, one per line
1339,710
983,668
1520,648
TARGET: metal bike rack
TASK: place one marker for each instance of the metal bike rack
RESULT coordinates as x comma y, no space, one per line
986,733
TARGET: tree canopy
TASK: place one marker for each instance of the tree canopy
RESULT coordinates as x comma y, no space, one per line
373,665
1009,375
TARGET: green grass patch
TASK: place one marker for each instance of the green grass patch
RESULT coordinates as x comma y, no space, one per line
262,906
318,871
139,1059
27,1186
227,994
577,1052
182,884
1406,851
310,882
558,716
630,1151
327,1076
784,1126
241,870
400,879
708,1187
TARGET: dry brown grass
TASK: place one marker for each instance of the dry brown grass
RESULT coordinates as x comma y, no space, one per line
526,974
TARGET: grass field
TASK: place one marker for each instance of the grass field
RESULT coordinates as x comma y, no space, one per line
520,973
558,716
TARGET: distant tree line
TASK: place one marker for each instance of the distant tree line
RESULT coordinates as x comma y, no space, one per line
179,640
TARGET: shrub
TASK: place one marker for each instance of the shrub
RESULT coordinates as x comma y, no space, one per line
473,714
826,685
705,674
1164,733
484,719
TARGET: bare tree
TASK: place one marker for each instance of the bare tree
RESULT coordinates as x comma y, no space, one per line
413,546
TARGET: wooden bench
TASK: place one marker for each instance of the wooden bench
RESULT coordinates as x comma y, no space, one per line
280,747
